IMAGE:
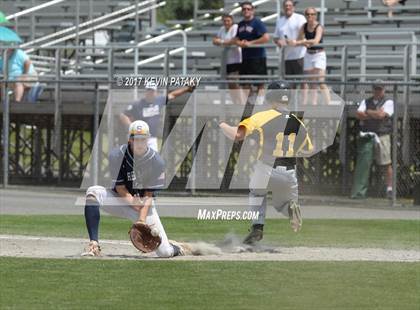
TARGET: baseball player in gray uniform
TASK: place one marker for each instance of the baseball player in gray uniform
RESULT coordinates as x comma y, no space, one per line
282,137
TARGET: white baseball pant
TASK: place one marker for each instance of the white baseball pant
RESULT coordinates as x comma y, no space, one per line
108,201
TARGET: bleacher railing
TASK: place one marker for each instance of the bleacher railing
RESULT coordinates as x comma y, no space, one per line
36,8
76,30
409,57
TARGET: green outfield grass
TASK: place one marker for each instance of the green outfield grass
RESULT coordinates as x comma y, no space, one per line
98,284
393,234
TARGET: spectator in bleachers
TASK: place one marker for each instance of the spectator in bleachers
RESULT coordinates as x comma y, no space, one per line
20,71
226,38
287,28
252,31
375,116
315,60
391,3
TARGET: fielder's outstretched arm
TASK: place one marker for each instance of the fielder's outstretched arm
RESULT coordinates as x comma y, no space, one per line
131,200
233,132
142,205
147,203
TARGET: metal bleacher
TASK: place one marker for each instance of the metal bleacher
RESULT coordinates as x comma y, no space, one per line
336,33
347,23
60,15
201,32
56,24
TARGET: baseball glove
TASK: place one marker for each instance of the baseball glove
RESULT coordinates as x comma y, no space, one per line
142,238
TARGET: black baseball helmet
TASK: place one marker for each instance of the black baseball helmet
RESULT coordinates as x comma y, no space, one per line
278,91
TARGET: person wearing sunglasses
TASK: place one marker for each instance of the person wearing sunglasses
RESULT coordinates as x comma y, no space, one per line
315,60
252,31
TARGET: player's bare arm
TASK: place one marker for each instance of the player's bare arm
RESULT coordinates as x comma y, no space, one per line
134,202
147,203
233,132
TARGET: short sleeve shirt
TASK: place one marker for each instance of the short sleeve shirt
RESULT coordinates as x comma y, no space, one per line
288,28
145,173
16,64
234,55
249,31
388,107
150,112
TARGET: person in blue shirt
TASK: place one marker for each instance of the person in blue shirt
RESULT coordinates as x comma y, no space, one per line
137,172
149,109
20,71
252,31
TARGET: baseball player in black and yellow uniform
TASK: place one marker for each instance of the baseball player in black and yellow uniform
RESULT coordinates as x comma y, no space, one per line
282,137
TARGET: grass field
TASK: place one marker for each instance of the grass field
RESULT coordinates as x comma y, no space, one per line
87,284
28,283
391,234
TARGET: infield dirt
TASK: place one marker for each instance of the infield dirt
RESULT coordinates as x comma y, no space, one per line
229,250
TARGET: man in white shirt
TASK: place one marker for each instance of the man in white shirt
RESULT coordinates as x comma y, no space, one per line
375,116
287,28
226,38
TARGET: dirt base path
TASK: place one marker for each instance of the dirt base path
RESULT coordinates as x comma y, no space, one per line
70,248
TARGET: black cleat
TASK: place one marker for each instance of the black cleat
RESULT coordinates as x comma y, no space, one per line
255,235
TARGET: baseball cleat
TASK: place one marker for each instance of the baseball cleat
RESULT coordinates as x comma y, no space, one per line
255,235
295,216
93,249
181,248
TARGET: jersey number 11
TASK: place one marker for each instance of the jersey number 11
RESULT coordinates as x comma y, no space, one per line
278,151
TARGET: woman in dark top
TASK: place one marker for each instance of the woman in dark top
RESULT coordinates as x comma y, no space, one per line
315,60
